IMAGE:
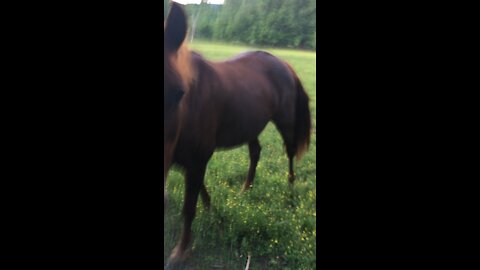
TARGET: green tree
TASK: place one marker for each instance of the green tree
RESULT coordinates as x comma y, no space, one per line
285,23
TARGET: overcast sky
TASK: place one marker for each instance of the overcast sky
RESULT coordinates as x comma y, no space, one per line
198,1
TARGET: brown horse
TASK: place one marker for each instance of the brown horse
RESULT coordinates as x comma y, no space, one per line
223,105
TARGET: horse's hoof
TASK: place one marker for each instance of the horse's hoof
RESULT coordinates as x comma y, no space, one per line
178,256
173,265
207,206
245,188
291,179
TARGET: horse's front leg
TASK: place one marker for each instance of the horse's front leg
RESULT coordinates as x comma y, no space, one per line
193,185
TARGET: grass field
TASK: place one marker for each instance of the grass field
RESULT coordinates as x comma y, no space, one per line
273,223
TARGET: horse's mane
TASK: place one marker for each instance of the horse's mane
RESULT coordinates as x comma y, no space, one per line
182,62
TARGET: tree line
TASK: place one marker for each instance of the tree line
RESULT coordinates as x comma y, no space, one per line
279,23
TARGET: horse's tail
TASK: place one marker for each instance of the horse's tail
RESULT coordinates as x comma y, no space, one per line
303,122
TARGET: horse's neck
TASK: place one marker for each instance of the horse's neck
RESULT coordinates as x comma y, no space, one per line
207,80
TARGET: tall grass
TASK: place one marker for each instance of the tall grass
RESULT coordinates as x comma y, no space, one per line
272,222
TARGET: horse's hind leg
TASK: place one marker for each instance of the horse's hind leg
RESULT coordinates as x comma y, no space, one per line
254,149
287,132
291,153
291,147
205,197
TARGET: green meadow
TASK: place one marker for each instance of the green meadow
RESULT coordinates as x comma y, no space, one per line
273,223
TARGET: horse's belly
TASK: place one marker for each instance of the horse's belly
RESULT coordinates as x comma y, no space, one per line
240,131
